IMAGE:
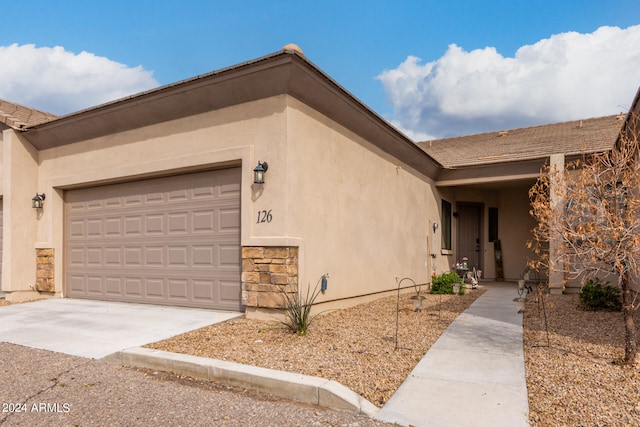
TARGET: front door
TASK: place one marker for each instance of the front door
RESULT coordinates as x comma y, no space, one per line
469,233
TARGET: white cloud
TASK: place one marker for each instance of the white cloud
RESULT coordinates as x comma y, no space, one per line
565,77
60,82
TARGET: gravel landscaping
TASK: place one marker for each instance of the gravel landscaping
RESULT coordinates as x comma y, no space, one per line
575,381
355,346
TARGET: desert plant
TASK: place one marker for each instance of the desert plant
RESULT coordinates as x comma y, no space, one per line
599,295
443,284
298,316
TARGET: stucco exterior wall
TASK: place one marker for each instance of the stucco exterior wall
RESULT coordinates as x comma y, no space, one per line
236,135
515,224
21,221
360,215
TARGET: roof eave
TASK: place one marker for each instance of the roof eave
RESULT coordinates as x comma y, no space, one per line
283,72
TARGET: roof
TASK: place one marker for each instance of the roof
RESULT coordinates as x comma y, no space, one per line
516,145
631,128
287,71
18,116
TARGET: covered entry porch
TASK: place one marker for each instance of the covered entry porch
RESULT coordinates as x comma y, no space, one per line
484,187
489,227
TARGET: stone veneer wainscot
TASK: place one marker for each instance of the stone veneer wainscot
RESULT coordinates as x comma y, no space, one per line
44,270
266,271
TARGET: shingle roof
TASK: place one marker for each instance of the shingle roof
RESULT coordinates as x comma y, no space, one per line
18,116
570,138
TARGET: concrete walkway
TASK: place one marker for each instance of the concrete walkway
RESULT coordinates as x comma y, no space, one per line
473,375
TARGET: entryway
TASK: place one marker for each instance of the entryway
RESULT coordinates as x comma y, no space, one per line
470,233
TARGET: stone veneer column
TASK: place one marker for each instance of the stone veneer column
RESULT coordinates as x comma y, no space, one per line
266,272
44,270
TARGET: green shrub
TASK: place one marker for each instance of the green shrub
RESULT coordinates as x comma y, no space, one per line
443,284
462,289
596,295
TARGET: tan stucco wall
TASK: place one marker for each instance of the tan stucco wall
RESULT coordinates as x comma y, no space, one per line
19,185
360,215
515,225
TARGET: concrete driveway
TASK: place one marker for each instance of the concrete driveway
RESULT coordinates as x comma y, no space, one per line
95,329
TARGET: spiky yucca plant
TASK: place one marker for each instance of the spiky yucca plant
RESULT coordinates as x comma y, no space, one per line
298,309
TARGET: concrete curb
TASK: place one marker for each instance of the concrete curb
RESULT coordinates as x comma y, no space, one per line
298,387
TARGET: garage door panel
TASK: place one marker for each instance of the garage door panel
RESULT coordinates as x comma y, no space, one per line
94,257
154,224
95,285
155,288
154,256
204,221
133,226
177,195
113,227
76,229
133,288
228,183
75,257
178,289
178,223
132,256
113,286
112,257
229,255
76,284
203,256
177,256
229,220
134,200
228,291
203,290
172,240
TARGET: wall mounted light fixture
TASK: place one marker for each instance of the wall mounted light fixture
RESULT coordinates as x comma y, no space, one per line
435,227
37,201
259,171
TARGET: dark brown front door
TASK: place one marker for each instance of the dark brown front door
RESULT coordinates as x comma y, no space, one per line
469,233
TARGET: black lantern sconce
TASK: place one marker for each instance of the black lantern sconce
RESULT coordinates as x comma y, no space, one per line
259,171
37,201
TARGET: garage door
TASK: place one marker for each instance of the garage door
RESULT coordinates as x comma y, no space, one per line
173,241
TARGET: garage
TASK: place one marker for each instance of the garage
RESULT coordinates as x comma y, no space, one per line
171,241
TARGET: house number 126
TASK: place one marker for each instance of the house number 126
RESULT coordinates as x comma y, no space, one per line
264,216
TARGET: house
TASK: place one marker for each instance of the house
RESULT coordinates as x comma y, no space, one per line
486,178
153,198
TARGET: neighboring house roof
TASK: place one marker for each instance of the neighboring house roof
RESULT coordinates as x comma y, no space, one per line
516,145
631,126
17,116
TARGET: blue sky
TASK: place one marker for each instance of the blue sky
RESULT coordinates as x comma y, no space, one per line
355,42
